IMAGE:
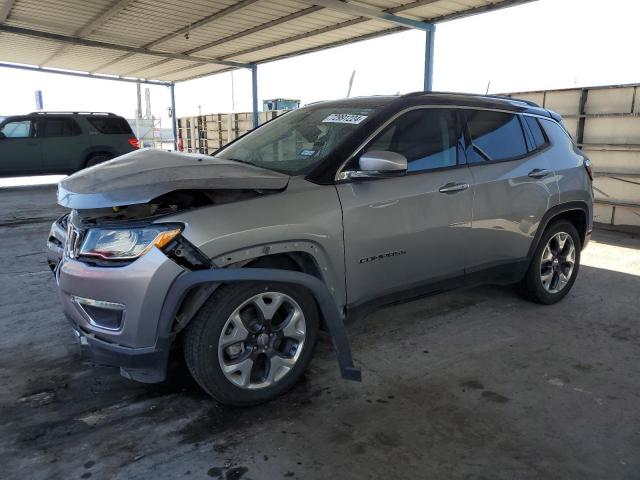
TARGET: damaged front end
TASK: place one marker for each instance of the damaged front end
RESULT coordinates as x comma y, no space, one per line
92,225
144,186
128,278
115,256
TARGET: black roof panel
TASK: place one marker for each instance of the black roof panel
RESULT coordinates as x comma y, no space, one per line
441,98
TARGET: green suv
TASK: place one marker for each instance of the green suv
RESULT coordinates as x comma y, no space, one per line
61,142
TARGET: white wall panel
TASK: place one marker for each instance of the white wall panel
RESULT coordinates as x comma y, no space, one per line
611,139
564,102
610,100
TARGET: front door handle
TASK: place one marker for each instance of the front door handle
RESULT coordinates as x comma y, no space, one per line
453,187
539,173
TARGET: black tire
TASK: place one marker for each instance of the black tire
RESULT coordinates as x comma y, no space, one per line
202,336
96,159
531,287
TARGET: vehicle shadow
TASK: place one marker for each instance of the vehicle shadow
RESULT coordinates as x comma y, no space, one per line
616,238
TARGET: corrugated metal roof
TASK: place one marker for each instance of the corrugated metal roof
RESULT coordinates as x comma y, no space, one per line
158,39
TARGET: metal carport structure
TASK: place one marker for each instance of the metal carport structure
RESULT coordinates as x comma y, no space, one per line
164,42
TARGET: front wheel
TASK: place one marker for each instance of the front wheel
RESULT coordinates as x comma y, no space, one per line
250,343
554,266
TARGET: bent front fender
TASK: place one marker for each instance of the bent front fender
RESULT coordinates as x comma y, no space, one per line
185,282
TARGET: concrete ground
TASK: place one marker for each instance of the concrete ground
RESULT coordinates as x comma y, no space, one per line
473,384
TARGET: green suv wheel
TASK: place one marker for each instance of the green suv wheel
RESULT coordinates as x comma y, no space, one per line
96,159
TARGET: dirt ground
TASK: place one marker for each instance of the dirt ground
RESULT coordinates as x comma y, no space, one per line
472,384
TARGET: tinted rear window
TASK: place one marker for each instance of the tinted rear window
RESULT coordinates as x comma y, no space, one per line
110,125
495,136
59,127
557,135
538,136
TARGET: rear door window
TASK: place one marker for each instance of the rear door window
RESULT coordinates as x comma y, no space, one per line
59,127
427,137
17,129
110,125
495,136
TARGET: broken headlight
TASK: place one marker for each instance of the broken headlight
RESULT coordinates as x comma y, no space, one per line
126,243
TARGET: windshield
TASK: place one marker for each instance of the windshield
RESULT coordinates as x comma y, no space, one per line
299,140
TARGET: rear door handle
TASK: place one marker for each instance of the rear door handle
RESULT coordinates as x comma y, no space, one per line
453,187
539,173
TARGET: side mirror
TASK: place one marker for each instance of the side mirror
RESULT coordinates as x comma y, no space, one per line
2,136
378,163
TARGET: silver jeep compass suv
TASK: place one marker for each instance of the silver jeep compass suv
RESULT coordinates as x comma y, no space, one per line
311,219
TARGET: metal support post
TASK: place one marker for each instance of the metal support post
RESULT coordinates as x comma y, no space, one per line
174,118
428,59
254,89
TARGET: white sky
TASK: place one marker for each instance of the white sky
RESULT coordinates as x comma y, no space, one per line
545,44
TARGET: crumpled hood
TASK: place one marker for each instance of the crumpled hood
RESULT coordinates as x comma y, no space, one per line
143,175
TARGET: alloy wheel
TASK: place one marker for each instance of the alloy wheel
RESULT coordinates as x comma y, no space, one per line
262,340
557,262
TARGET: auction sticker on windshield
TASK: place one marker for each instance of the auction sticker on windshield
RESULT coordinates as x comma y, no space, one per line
344,118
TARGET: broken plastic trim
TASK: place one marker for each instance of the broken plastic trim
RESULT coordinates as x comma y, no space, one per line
185,282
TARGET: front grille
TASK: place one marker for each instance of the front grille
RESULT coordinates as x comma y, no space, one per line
74,240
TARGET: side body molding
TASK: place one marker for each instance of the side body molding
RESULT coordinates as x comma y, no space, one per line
185,282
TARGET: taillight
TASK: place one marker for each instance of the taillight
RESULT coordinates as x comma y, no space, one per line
134,142
587,165
180,145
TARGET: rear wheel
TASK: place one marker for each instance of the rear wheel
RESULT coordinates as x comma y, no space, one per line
250,343
96,159
554,266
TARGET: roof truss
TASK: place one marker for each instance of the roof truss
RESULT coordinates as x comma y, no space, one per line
124,48
240,48
6,10
372,13
92,26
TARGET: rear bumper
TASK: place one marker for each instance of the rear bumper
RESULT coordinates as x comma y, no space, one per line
587,238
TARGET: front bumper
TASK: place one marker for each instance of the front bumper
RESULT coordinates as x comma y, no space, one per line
151,290
137,346
145,364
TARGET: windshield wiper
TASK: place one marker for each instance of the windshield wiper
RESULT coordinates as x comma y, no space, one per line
247,162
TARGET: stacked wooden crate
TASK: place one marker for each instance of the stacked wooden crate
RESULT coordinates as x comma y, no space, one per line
207,133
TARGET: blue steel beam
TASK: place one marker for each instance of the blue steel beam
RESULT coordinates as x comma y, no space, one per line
33,68
254,91
174,118
373,13
428,59
112,46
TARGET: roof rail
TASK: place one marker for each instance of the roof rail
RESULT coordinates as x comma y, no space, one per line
514,99
479,95
71,113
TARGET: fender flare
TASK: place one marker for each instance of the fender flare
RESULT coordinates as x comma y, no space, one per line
186,281
554,212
